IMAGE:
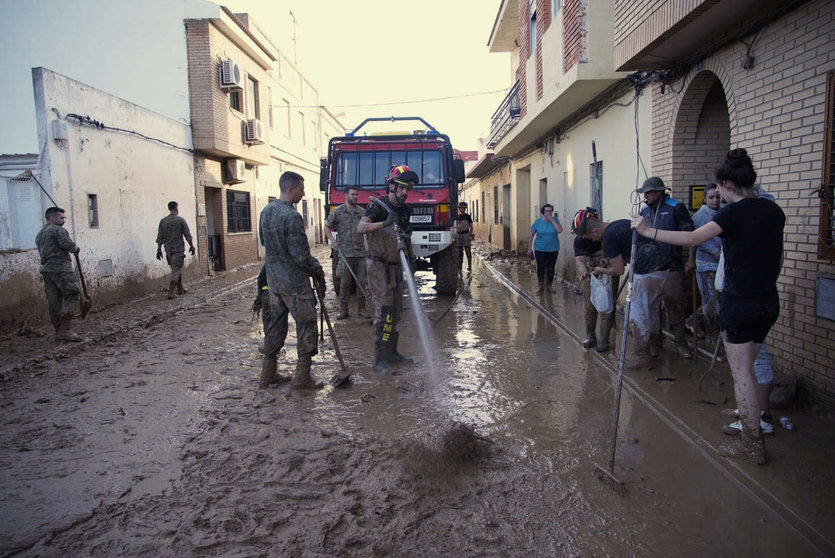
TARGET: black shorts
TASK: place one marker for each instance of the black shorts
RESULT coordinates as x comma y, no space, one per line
744,319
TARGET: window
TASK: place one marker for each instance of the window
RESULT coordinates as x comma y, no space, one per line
369,169
483,216
305,214
826,243
270,106
596,186
301,127
93,210
556,6
288,128
237,212
495,204
253,104
20,209
236,101
532,7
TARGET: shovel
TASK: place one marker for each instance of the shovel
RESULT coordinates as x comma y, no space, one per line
86,303
345,375
715,396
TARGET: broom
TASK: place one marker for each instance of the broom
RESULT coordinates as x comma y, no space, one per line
607,475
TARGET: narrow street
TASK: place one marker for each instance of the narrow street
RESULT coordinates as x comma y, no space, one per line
154,439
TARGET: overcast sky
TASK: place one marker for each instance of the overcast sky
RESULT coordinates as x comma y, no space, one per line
375,52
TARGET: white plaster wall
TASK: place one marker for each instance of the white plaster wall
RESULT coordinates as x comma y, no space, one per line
134,177
144,62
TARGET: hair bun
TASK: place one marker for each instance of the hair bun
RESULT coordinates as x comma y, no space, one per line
737,158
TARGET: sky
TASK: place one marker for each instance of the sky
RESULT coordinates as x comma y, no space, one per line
382,54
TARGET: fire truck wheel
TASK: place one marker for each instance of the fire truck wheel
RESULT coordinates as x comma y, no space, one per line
446,271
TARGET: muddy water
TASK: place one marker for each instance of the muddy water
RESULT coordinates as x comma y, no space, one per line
159,443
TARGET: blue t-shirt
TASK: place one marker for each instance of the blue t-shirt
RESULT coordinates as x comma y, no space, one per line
547,239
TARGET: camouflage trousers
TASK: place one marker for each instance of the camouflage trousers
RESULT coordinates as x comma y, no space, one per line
62,292
385,281
176,261
303,309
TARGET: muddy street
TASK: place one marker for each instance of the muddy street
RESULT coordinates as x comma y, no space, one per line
157,441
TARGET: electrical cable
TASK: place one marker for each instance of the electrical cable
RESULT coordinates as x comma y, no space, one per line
101,126
392,103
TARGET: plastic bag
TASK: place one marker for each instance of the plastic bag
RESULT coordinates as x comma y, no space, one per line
601,293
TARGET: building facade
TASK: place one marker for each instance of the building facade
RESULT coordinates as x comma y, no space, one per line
758,75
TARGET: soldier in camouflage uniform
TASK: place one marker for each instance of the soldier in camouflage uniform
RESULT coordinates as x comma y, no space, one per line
349,244
383,264
289,268
171,231
59,279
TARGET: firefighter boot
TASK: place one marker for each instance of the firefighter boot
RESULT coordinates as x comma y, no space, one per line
343,307
682,348
380,354
591,322
606,323
64,332
172,289
302,378
268,373
395,356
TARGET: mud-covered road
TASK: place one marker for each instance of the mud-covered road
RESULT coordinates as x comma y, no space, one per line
158,442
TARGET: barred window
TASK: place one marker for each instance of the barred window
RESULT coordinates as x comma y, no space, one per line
238,215
826,245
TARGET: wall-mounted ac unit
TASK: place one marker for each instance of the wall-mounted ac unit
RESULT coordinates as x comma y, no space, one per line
254,132
235,170
231,76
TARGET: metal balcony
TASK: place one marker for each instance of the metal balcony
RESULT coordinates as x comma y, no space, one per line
505,116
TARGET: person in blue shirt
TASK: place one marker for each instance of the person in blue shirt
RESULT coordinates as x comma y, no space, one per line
546,229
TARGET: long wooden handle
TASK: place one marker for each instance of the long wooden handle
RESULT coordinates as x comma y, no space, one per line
330,330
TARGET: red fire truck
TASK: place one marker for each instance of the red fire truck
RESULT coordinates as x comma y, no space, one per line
363,162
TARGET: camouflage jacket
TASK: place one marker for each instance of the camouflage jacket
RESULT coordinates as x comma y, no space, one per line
54,245
172,229
345,222
288,260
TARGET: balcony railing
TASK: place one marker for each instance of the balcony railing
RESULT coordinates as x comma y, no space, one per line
505,116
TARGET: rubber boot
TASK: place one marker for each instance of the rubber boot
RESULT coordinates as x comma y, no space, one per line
682,348
380,364
301,378
268,373
590,317
64,332
172,289
607,321
343,308
395,356
181,290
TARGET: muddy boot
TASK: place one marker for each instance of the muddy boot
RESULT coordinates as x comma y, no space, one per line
395,356
343,308
699,329
268,373
590,317
682,348
172,289
551,288
745,447
540,288
380,360
64,332
653,347
302,378
606,323
181,290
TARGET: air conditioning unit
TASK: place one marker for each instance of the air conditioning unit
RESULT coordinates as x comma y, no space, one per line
235,170
231,76
254,132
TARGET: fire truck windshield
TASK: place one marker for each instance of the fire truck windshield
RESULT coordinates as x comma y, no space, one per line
368,169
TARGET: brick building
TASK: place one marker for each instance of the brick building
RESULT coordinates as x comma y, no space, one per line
758,75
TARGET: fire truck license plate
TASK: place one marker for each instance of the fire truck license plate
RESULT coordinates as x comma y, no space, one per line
420,218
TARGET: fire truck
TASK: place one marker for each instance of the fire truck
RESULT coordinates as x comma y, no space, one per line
363,161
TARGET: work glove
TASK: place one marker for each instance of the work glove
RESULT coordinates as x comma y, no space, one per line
319,281
191,250
159,254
